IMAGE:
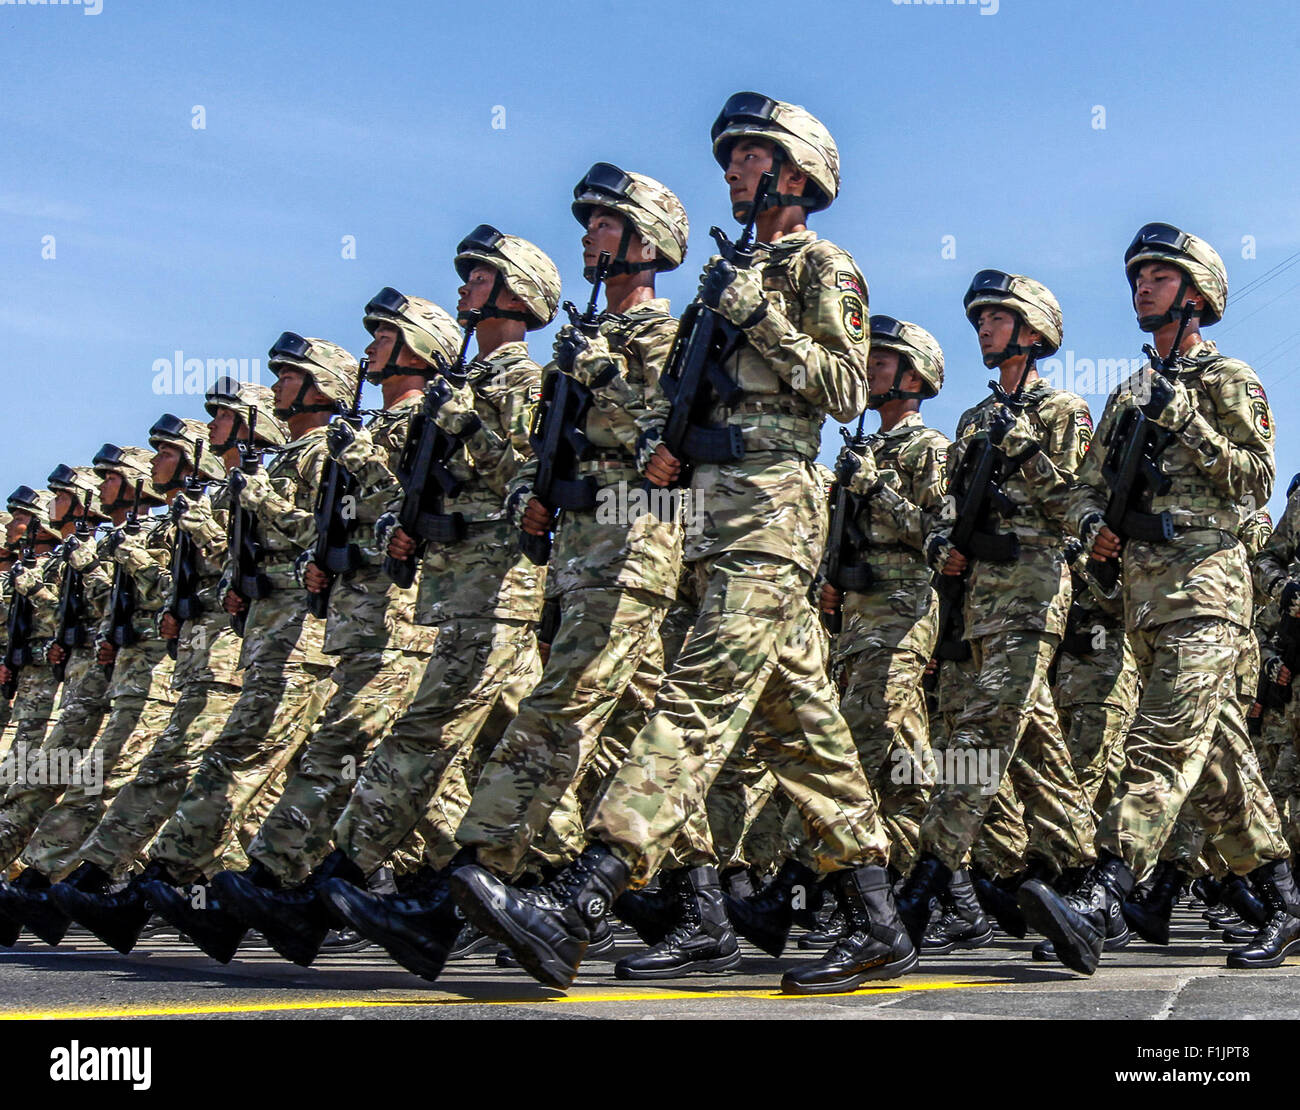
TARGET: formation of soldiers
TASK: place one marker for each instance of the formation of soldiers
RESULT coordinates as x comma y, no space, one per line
532,655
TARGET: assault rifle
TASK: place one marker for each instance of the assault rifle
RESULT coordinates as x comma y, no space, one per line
334,553
18,624
846,544
424,470
695,379
557,436
122,601
70,617
250,583
183,601
1135,444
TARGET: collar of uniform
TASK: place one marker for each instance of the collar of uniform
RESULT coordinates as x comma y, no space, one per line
655,306
1204,350
516,348
414,400
909,423
787,244
319,430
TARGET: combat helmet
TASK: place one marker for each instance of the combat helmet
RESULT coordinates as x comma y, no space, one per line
326,365
190,437
134,464
917,349
521,268
1202,268
798,135
243,398
40,504
427,331
1030,300
80,481
647,205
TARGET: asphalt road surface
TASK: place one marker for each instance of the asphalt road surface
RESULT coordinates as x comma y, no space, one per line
167,978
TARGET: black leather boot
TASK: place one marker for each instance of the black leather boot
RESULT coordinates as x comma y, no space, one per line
739,882
653,913
1280,934
549,928
928,879
293,919
1149,911
765,919
829,931
962,923
875,945
195,909
1117,936
116,919
418,929
27,900
1076,923
998,896
702,939
1236,893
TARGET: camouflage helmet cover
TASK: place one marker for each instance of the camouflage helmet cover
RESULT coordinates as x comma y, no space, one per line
1194,256
527,270
915,344
1031,300
133,464
184,434
38,502
81,482
334,371
651,207
801,135
241,398
427,330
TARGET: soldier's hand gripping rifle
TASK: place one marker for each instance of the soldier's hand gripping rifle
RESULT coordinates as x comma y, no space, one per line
70,617
1135,443
183,600
556,434
122,599
18,624
336,518
695,379
846,544
245,542
424,470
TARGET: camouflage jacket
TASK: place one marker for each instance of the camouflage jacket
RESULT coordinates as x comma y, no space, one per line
367,609
143,669
484,575
620,543
1033,592
208,649
806,358
96,586
1220,468
39,584
278,629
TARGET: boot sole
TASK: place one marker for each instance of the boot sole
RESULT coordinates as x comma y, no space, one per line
535,956
415,959
1235,959
721,963
121,940
293,946
852,982
1043,917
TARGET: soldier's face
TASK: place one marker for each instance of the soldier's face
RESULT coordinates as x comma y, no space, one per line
605,233
166,464
110,489
223,426
996,327
748,161
287,387
64,506
1156,288
477,289
881,367
380,348
17,527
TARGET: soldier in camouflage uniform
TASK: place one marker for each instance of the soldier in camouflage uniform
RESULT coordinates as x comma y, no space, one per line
1188,609
478,596
383,653
803,313
205,678
6,565
286,675
1015,603
139,691
84,701
35,702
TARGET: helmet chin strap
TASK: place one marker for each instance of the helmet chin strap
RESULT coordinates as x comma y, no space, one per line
490,311
742,210
896,392
1175,313
620,265
297,407
1015,347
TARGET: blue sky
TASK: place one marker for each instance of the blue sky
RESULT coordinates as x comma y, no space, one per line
333,119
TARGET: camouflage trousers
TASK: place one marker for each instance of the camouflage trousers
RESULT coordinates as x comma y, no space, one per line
754,644
606,659
1190,731
33,711
81,714
144,804
372,689
1009,711
1285,788
478,674
272,716
133,727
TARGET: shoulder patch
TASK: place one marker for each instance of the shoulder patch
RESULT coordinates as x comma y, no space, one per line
848,282
1263,418
854,315
1256,391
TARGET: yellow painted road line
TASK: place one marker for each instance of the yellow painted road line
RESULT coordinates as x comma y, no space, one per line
345,1003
